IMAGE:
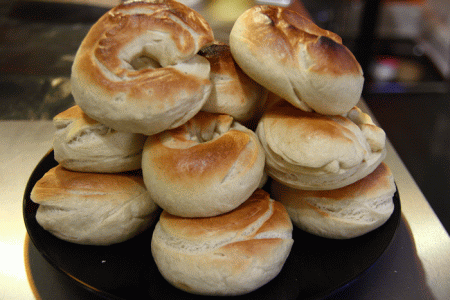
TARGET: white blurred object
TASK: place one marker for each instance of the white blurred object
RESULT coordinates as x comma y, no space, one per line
400,20
194,4
384,69
274,2
435,38
101,3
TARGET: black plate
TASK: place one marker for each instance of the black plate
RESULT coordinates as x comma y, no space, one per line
315,268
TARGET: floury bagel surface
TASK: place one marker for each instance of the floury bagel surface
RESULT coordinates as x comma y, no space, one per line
343,213
93,208
231,254
83,144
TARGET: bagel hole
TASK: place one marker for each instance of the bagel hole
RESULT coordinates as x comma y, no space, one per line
144,61
202,135
195,134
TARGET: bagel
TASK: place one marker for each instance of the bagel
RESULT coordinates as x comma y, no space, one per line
231,254
93,208
138,70
311,151
208,166
344,213
291,56
83,144
233,92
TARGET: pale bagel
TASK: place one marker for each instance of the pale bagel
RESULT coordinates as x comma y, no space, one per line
291,56
137,69
83,144
233,92
343,213
231,254
310,151
93,208
206,167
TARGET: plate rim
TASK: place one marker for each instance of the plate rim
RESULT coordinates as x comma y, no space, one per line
37,173
25,205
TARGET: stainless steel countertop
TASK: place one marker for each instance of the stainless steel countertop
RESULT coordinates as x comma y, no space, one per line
415,266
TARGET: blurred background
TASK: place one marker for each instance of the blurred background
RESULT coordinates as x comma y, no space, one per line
403,47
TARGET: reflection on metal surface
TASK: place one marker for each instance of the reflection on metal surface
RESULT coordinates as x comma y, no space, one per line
274,2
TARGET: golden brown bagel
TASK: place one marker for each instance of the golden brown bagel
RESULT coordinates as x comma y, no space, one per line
231,254
343,213
83,144
137,69
310,151
233,92
291,56
206,167
93,208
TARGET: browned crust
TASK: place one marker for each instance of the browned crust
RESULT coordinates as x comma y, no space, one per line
238,219
255,248
222,63
310,126
205,160
74,113
332,58
59,183
117,28
288,32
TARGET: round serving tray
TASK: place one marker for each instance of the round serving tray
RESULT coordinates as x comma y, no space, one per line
315,268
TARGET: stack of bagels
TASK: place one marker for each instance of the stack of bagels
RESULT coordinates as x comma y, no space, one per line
174,129
324,154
